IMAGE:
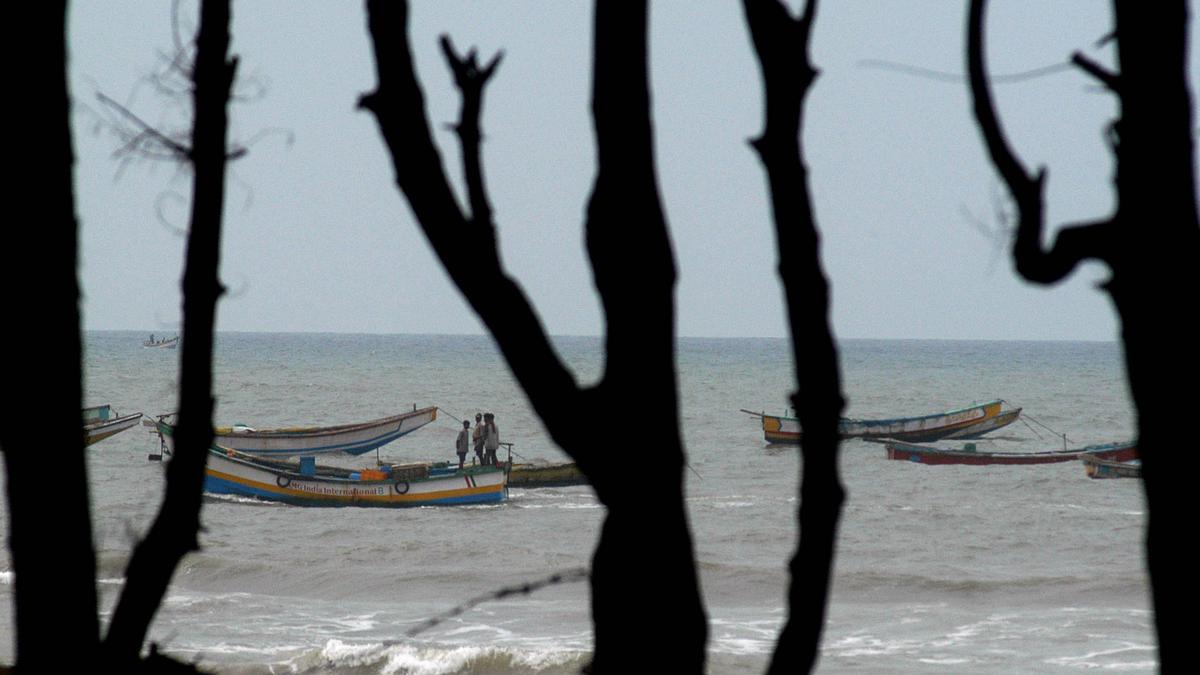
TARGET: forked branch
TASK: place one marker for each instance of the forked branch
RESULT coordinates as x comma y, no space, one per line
399,108
471,79
1074,244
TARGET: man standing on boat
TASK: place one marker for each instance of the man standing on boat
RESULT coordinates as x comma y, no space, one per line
478,437
491,437
462,443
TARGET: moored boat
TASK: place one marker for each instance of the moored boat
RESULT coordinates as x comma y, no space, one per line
545,474
969,422
304,483
350,439
969,455
101,422
1098,467
988,425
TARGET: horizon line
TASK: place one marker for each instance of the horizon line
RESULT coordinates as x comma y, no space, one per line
596,336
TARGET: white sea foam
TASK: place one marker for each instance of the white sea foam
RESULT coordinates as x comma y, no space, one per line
430,659
1124,657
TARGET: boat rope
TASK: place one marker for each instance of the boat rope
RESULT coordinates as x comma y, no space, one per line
567,576
1044,426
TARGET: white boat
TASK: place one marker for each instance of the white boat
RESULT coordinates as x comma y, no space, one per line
166,343
349,439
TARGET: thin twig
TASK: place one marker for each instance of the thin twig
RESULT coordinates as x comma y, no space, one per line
568,576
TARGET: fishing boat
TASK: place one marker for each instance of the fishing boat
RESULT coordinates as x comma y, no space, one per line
101,421
922,454
969,422
304,483
545,474
349,439
165,343
1098,467
978,429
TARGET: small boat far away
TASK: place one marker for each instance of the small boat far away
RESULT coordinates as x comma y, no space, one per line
921,454
167,343
969,422
101,421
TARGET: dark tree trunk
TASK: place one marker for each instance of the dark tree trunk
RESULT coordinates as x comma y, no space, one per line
645,552
1151,244
781,44
50,535
1156,260
175,529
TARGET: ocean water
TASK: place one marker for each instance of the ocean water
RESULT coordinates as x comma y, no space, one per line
939,568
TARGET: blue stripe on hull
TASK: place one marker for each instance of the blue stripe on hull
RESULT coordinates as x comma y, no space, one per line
221,486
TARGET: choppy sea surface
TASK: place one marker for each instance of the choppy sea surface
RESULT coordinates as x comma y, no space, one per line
939,568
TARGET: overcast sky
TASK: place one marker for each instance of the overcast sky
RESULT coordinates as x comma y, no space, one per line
317,237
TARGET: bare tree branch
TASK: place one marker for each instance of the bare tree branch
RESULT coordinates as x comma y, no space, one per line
398,106
630,252
528,588
1033,262
471,79
145,136
781,43
1106,77
176,528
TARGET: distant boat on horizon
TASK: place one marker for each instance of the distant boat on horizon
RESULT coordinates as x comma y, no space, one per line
168,343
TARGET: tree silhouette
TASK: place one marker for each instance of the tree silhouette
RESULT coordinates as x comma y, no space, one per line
175,529
781,45
645,550
44,370
55,574
1150,243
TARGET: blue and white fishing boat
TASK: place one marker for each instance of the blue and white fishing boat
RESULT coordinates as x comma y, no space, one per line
304,483
346,439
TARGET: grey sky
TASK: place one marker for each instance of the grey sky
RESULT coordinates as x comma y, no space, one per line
317,238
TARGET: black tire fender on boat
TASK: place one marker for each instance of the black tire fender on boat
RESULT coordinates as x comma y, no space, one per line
283,481
401,487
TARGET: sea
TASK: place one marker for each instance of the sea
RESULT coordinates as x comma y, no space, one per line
939,569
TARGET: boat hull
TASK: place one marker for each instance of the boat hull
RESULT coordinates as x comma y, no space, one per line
926,455
545,475
1099,467
349,439
99,423
970,422
233,474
